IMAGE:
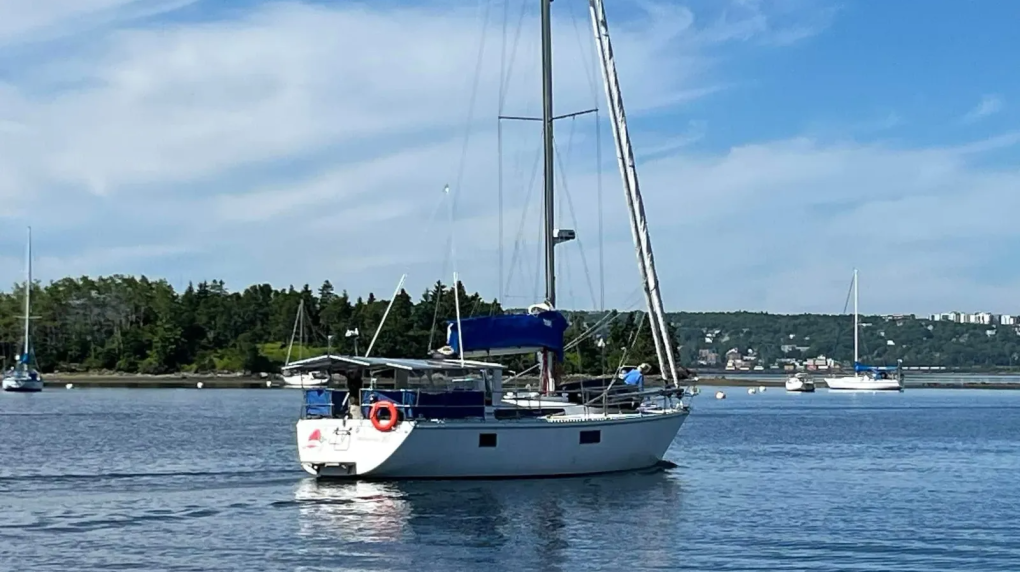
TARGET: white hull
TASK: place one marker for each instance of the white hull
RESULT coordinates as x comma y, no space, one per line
863,383
799,385
304,380
451,449
11,383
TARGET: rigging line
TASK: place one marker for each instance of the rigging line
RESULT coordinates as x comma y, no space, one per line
513,56
633,342
499,142
456,277
474,307
571,297
846,304
604,321
573,218
432,218
464,148
446,260
518,249
570,204
474,96
435,315
538,258
569,346
502,57
499,200
602,257
589,71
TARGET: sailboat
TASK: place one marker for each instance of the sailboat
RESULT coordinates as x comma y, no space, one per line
446,417
865,377
23,376
300,377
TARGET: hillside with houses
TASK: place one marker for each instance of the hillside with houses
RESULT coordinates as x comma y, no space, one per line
749,341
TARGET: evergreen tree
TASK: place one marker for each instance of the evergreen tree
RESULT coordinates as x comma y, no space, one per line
136,324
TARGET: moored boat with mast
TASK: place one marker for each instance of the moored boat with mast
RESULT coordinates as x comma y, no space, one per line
24,377
865,377
300,377
446,416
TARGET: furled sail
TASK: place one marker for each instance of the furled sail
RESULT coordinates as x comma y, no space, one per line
508,334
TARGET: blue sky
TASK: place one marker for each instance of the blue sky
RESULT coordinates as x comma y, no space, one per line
780,144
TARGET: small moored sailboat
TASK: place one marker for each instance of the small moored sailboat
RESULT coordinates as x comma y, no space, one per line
300,377
24,377
865,377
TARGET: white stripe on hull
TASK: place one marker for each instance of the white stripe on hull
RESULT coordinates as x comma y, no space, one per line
451,449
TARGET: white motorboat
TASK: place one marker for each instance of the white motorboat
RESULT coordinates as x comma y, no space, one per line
446,417
800,382
24,377
865,377
291,378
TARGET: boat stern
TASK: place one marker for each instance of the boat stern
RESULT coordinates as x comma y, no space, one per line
346,448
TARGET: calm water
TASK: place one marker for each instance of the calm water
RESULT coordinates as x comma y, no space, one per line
110,479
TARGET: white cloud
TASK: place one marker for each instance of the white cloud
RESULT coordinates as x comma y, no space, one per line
22,21
989,105
294,142
780,226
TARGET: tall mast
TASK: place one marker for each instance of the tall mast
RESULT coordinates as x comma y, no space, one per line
547,137
638,225
28,293
856,329
546,359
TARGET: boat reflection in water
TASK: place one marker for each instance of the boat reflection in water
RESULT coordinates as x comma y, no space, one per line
359,511
505,524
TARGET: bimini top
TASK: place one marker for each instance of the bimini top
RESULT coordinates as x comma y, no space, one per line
325,361
509,334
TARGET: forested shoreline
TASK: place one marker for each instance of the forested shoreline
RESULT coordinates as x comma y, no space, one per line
140,325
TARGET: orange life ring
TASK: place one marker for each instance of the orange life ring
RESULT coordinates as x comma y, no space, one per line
373,415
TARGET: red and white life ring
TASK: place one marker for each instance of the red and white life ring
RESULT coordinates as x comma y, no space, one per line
383,425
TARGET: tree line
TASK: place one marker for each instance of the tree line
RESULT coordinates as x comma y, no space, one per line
141,325
883,340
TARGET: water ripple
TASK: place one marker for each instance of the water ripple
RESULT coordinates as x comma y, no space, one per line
187,480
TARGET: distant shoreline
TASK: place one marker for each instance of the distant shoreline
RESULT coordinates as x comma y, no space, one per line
240,381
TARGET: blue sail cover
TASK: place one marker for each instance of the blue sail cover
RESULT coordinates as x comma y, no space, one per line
525,332
861,368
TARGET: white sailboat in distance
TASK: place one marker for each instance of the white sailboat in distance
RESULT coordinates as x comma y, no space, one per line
300,377
24,377
866,377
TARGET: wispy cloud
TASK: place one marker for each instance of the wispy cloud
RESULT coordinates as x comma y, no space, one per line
802,209
989,105
781,23
37,22
295,141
